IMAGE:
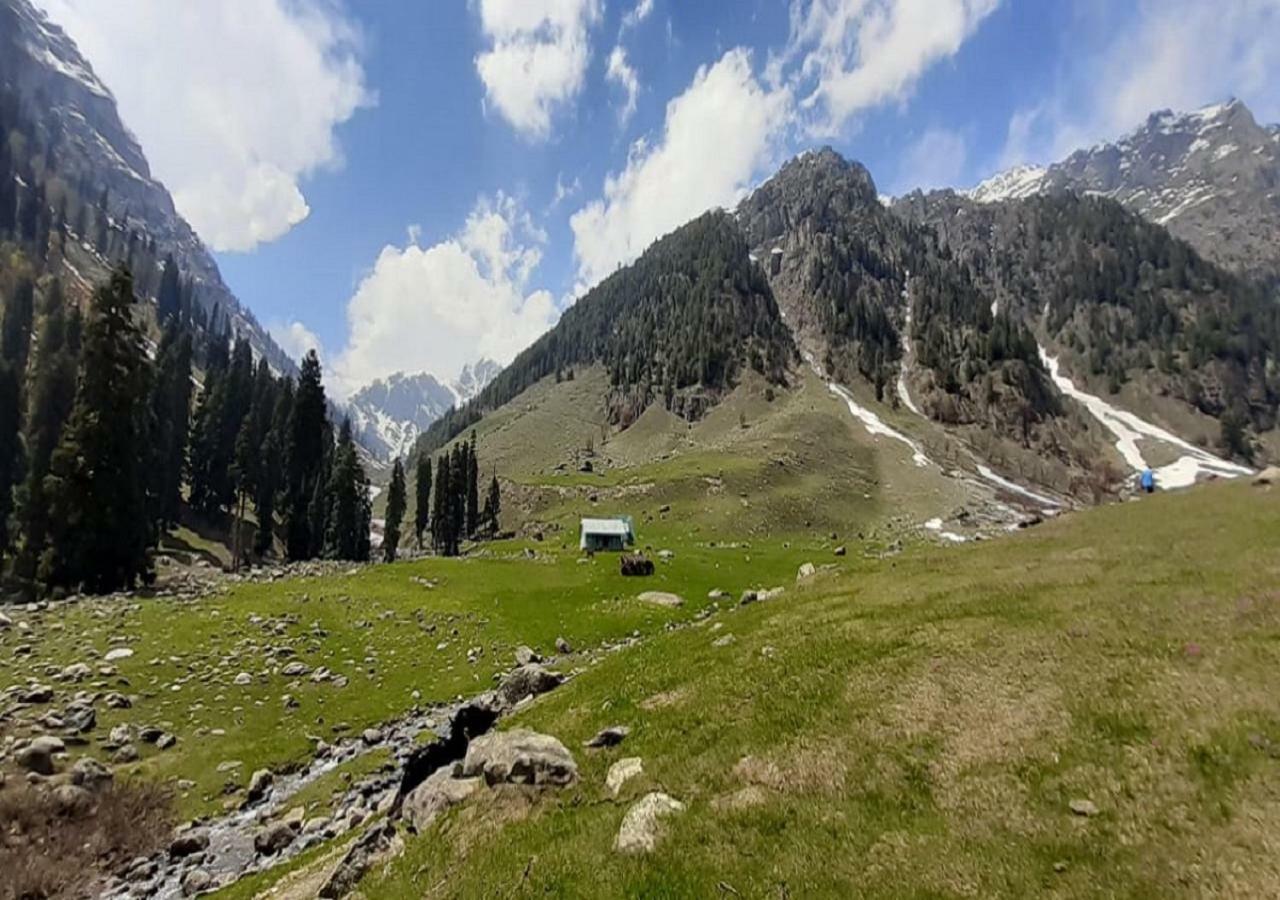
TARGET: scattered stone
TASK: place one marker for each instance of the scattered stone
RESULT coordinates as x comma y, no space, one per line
165,741
117,654
119,736
38,755
717,595
77,672
1060,866
609,737
724,641
259,783
229,765
295,670
807,570
196,881
275,837
125,755
41,693
662,598
81,719
563,646
621,772
115,700
438,793
526,681
90,774
1084,808
243,679
748,597
71,800
371,736
639,832
519,756
189,843
149,734
666,555
526,655
841,550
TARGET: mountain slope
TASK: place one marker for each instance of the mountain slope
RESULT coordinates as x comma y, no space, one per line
91,173
1212,177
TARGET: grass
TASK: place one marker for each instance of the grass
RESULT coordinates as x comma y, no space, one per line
920,727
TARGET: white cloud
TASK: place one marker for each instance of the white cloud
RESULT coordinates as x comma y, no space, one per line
440,307
1176,54
718,135
235,102
296,339
538,58
937,159
565,189
636,15
624,75
858,54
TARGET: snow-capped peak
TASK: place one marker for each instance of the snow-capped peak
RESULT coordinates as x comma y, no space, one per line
1012,184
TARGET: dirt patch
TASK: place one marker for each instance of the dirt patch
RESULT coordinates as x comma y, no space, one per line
663,700
812,765
744,798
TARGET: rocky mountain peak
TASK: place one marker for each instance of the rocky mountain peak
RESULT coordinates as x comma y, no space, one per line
817,187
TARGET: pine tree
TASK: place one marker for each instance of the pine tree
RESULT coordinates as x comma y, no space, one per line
442,537
172,404
169,294
458,468
422,496
304,454
395,513
15,346
347,534
493,506
472,470
100,533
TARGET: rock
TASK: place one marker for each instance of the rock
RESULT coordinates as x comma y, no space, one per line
748,597
530,680
295,670
259,783
717,595
609,737
71,800
117,654
81,719
438,793
165,741
724,641
77,672
662,598
841,550
526,655
621,772
563,646
1084,808
242,679
40,693
316,825
189,843
38,755
666,555
376,846
519,756
149,734
119,736
115,700
807,570
126,754
371,736
5,621
1267,477
196,881
275,837
90,774
639,832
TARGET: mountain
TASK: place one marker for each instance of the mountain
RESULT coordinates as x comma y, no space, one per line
1212,177
80,160
388,415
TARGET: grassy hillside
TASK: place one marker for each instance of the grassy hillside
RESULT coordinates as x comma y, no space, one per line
923,726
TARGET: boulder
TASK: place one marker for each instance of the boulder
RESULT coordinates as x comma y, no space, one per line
275,837
609,737
519,756
244,678
662,598
1267,477
80,718
525,681
119,736
621,772
440,792
71,800
1082,807
77,672
640,829
196,881
526,655
371,736
165,741
189,843
90,774
563,646
117,654
375,847
116,700
38,755
149,734
39,693
259,783
126,754
748,597
807,571
295,670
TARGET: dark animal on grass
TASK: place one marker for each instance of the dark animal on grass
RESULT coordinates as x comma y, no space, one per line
636,564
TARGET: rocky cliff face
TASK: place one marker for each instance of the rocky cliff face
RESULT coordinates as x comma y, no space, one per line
96,159
1212,177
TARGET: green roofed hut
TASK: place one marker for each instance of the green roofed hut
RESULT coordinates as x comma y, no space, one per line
614,534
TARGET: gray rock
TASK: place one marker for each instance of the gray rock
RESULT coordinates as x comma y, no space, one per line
5,621
40,693
119,736
530,680
80,719
196,881
244,678
841,550
526,655
189,843
724,641
371,736
661,598
295,670
438,793
376,846
609,737
115,700
275,837
150,734
563,646
621,772
71,800
717,594
1085,808
640,830
38,755
118,653
807,571
259,783
77,672
126,754
90,774
519,756
165,741
748,597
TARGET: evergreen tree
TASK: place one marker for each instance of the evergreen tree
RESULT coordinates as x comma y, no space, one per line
304,455
347,535
169,294
442,536
100,533
458,472
15,345
53,391
395,513
493,506
422,496
271,482
472,499
172,405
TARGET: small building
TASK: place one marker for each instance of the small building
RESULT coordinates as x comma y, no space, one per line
614,534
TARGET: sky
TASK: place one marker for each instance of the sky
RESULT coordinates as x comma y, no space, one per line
411,185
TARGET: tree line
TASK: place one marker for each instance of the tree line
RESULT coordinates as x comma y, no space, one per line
447,501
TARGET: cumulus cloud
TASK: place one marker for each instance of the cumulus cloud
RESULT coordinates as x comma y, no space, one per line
437,308
623,74
717,136
296,339
1177,54
853,55
537,59
236,102
937,159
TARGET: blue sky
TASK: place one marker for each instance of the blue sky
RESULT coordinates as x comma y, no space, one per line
411,185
